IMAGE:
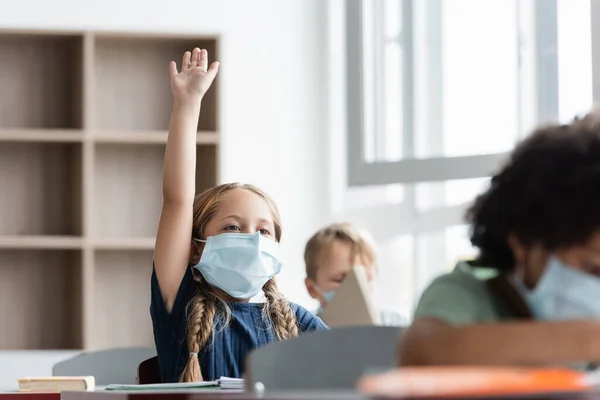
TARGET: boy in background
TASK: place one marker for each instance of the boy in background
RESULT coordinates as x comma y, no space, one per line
330,254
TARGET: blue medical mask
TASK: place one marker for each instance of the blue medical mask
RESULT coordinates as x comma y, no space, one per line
328,296
563,293
239,263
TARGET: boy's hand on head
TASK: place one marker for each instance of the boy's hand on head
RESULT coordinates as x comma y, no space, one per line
195,77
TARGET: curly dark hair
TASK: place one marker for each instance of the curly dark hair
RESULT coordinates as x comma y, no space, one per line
548,193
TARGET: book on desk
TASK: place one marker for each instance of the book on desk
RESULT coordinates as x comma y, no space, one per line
56,384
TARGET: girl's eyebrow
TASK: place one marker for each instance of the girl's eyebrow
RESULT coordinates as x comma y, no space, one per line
232,216
238,218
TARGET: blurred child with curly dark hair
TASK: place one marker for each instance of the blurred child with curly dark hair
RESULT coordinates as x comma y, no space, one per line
538,228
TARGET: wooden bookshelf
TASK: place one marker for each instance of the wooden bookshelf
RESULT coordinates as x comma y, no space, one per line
83,124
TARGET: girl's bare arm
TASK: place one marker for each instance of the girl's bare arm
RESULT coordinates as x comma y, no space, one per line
173,240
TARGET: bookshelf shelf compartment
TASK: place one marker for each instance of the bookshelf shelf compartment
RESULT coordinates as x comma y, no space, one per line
128,187
135,71
41,78
206,167
122,282
124,243
40,298
128,196
40,188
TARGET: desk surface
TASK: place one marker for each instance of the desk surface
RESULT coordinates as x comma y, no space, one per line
29,396
299,395
217,394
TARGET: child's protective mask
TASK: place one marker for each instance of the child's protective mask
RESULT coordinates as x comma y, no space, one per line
239,263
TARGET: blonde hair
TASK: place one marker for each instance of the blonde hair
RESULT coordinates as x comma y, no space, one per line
360,241
206,303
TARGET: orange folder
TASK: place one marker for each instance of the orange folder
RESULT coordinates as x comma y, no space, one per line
473,381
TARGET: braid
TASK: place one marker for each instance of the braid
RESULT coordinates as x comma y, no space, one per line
280,313
199,331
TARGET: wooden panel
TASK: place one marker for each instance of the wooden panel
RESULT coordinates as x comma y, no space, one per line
128,187
122,299
40,77
128,194
157,137
206,167
39,299
41,192
132,83
41,135
41,242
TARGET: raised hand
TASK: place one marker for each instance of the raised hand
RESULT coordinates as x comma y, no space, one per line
195,77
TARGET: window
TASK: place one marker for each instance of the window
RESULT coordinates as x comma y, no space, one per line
437,93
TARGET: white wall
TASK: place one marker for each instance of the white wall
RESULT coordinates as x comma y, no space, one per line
21,364
273,72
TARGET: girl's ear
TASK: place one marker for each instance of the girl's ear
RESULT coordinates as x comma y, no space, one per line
195,253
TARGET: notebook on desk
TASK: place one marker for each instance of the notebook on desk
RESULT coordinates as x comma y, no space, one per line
222,383
352,304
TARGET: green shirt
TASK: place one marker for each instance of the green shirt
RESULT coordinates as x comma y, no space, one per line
463,297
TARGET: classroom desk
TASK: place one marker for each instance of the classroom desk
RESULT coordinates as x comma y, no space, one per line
300,395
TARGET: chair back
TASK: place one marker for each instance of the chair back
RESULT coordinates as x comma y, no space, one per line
149,372
110,366
323,360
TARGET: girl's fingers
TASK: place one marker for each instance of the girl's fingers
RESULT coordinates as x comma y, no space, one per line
172,68
203,64
185,62
195,57
213,70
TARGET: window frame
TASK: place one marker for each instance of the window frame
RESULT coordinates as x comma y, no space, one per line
411,170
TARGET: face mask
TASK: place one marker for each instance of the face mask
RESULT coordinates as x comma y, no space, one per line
328,296
564,293
239,263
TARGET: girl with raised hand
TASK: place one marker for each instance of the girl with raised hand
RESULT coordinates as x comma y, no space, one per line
214,253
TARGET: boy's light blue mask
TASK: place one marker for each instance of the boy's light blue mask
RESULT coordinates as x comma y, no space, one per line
563,293
327,296
239,263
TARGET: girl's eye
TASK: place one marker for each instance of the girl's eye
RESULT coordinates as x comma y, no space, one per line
232,228
265,232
